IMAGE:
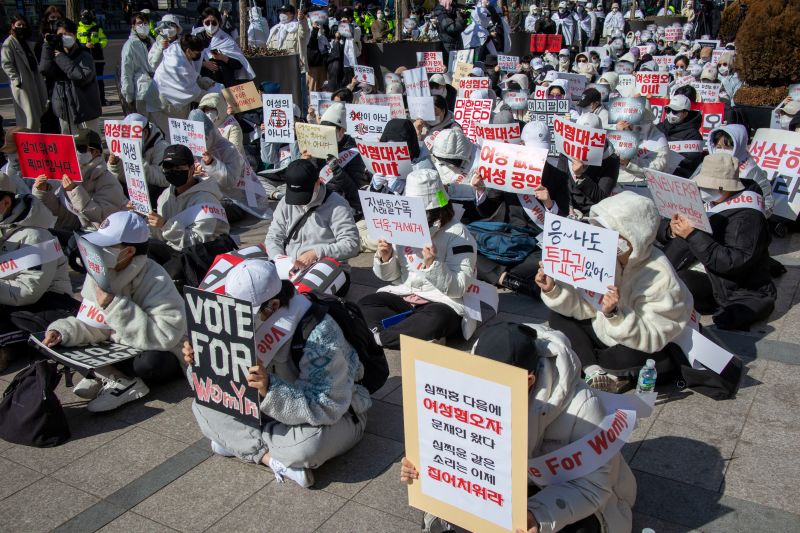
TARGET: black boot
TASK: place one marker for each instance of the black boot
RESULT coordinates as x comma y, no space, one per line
521,285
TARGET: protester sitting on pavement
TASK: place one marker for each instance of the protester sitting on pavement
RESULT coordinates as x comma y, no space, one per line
314,409
562,410
683,124
311,221
652,153
736,286
216,109
12,168
639,316
41,286
430,283
22,68
142,310
136,74
169,30
153,145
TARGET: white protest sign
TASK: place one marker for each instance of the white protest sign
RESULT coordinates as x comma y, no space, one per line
278,118
320,17
319,141
625,143
416,82
469,112
421,107
673,195
115,130
511,167
318,96
364,74
366,121
776,150
673,34
507,133
508,63
700,350
466,86
665,63
707,43
462,70
579,142
393,101
579,254
432,62
626,85
131,156
601,51
516,100
576,84
390,159
707,91
717,53
652,83
189,133
628,109
400,220
477,292
460,56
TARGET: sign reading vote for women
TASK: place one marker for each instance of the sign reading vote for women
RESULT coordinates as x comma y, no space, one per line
131,155
115,131
221,331
416,82
466,431
366,121
579,142
278,118
49,154
391,159
243,97
511,167
677,196
399,220
189,133
579,254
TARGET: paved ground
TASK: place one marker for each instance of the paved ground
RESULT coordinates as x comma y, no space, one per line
700,465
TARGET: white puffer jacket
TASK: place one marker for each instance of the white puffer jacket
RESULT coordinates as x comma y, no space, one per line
654,304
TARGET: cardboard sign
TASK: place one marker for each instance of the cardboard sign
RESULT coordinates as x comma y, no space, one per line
138,193
115,131
190,133
87,357
432,62
579,254
319,141
393,101
400,220
468,112
49,154
543,42
466,431
673,34
366,121
97,261
630,110
466,86
707,91
462,70
677,196
579,142
508,63
545,110
421,107
214,280
506,133
243,97
776,150
416,82
221,331
364,74
511,167
652,83
278,118
390,159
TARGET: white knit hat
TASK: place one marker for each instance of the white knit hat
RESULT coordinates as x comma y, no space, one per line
255,281
335,115
427,185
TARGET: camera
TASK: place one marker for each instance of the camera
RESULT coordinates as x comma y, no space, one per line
54,39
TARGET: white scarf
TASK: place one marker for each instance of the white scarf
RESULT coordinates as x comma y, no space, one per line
223,42
279,328
176,76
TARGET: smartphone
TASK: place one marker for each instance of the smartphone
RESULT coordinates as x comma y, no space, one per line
395,319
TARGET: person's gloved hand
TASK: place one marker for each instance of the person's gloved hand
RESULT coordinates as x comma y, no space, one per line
378,182
397,185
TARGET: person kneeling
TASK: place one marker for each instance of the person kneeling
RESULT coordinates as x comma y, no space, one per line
143,310
314,407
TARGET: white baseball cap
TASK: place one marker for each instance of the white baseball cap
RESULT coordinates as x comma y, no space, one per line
679,102
536,134
254,280
427,185
120,227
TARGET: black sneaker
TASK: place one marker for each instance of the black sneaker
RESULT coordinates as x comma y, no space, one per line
521,286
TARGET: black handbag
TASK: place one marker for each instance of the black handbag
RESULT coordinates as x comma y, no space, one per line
30,412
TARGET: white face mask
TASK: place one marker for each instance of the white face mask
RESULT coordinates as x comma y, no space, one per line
169,33
211,28
141,30
380,16
212,115
439,92
710,195
723,71
111,257
785,120
283,17
68,41
84,158
673,118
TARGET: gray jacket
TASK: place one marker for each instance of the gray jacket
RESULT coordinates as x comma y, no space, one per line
178,236
152,155
27,85
76,96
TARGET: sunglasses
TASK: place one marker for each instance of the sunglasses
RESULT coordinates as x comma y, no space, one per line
82,148
672,111
722,64
581,61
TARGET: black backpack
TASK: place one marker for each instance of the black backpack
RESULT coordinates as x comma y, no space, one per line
30,412
354,327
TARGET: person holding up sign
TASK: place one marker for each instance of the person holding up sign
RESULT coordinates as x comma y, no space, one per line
683,124
153,146
638,318
216,109
428,284
562,411
33,270
313,407
443,120
652,153
348,171
142,310
736,285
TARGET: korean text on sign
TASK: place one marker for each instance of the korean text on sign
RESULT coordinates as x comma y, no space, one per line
775,150
400,220
278,118
416,82
467,86
579,142
508,63
131,156
507,133
579,254
469,112
391,159
189,133
393,101
319,141
364,74
432,62
49,154
366,121
652,83
545,110
115,131
511,167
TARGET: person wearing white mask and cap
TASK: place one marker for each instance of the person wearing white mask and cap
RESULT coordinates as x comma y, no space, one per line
168,31
727,76
564,60
615,21
223,60
136,74
530,20
566,24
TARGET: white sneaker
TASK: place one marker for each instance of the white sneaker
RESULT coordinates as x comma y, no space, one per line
117,392
302,476
220,450
87,388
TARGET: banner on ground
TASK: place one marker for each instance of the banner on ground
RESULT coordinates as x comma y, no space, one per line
508,63
114,131
511,167
319,141
469,112
138,193
579,142
400,220
87,357
49,154
652,83
579,254
677,196
390,159
393,101
278,118
189,133
221,331
466,431
364,74
432,62
421,107
544,42
242,97
506,133
467,86
416,82
366,121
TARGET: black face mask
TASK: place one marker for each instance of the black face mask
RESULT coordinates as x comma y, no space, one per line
22,33
176,177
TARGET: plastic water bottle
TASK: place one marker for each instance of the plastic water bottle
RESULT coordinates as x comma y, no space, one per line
647,377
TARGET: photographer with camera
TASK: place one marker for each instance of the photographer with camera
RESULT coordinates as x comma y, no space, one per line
451,23
70,67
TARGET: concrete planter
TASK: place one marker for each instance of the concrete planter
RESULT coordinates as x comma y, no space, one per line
281,69
757,116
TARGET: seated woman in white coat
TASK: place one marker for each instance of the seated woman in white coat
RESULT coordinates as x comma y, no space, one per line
426,298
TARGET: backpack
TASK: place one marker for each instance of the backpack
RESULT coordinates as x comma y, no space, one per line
30,412
503,243
354,327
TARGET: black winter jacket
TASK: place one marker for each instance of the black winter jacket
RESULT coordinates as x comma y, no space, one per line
688,130
451,26
76,96
597,184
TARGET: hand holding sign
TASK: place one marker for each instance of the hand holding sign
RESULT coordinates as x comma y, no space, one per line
400,220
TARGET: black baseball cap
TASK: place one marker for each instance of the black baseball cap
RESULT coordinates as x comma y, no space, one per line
510,343
176,155
589,95
288,8
301,177
89,138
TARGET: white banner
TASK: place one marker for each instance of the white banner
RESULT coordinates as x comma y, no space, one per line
467,86
432,62
421,107
29,256
507,133
393,101
92,314
366,121
685,147
199,212
400,220
652,83
364,74
115,131
278,118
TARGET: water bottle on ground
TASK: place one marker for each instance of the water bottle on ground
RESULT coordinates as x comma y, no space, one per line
647,377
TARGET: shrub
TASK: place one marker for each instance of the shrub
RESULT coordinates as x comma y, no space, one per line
767,51
729,24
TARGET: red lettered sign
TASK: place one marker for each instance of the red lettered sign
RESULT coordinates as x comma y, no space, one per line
49,154
543,42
